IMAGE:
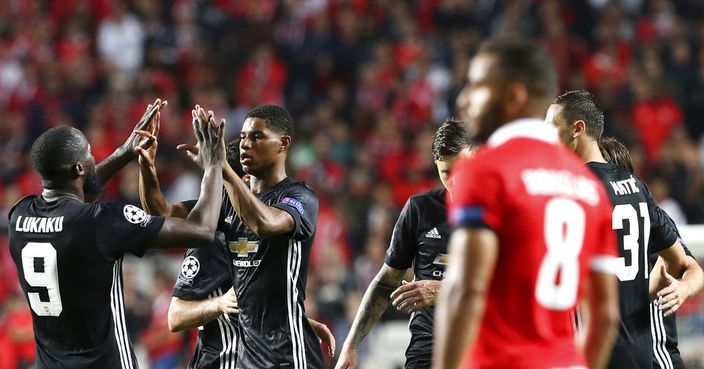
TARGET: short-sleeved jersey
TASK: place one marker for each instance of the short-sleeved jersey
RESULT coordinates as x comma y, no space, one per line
420,239
666,355
270,278
552,221
69,261
641,230
205,273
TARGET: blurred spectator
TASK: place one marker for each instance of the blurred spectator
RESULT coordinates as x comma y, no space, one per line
164,347
120,39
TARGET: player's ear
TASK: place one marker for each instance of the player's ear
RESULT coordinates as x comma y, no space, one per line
516,100
579,128
285,143
78,169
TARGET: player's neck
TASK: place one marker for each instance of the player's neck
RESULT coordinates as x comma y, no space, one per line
267,180
591,153
53,191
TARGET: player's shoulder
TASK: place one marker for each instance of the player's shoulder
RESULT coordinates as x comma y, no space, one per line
608,170
431,196
300,188
21,202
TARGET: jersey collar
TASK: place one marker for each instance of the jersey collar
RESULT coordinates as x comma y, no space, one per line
524,128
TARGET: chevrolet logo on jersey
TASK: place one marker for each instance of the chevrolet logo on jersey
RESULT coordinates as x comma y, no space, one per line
243,246
441,259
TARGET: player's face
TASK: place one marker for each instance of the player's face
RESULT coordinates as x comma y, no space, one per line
483,98
260,147
445,166
565,130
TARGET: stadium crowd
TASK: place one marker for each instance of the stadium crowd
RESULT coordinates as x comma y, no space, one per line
367,82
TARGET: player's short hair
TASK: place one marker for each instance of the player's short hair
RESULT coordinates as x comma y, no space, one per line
55,152
580,105
526,61
616,152
276,117
450,139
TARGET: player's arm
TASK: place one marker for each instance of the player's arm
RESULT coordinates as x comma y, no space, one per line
185,314
602,310
265,221
681,274
324,335
375,301
199,226
124,154
462,298
150,195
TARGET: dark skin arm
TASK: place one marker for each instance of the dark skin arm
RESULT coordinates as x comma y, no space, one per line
462,298
265,221
150,195
601,295
124,154
198,228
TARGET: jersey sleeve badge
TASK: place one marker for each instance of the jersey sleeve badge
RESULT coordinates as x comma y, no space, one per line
136,215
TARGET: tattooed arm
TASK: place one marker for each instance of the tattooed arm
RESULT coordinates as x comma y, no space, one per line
375,301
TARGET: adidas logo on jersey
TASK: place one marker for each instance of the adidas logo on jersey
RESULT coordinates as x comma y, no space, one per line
433,233
229,219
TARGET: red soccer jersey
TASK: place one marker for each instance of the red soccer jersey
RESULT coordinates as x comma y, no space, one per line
553,223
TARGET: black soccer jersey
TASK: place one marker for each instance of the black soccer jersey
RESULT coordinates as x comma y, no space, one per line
69,261
270,277
205,273
637,224
666,355
420,240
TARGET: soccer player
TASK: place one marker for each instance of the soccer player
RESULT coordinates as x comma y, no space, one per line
532,227
269,223
641,230
666,355
204,296
69,252
420,241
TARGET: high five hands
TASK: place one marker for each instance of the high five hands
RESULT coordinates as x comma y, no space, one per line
210,146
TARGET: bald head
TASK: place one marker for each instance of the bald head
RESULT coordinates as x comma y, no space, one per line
57,150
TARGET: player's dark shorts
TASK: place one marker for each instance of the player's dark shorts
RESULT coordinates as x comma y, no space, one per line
419,352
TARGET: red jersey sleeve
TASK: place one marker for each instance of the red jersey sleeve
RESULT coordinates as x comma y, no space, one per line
475,195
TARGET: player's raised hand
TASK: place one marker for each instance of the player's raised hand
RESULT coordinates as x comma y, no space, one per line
210,149
148,123
348,358
673,296
413,296
147,155
324,335
228,302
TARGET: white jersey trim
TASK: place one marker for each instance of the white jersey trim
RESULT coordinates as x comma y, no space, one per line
657,328
118,314
295,316
228,337
532,128
603,264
